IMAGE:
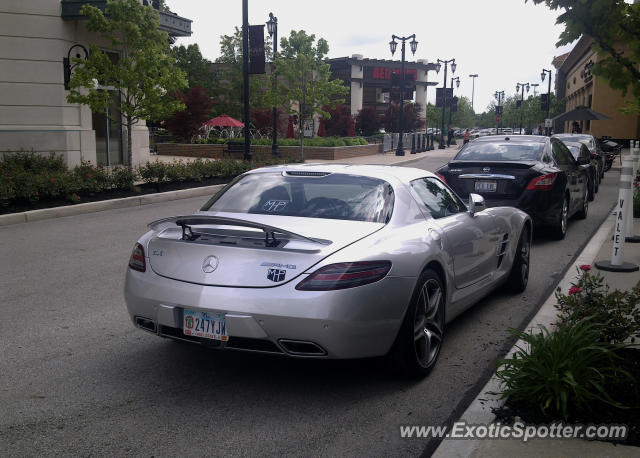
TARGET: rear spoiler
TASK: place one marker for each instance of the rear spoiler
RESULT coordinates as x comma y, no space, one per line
510,164
185,222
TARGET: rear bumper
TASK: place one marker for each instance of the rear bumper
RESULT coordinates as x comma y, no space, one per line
542,206
352,323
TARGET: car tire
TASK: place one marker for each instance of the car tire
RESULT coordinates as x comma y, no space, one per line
559,229
420,338
591,188
597,184
519,275
584,211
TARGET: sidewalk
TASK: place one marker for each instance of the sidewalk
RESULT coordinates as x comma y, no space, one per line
388,158
480,410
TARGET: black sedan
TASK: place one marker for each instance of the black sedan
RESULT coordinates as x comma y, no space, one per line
592,144
581,154
534,173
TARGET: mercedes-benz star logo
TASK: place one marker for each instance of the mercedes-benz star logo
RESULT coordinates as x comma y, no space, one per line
209,264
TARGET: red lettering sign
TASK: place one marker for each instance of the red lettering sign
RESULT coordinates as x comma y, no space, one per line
384,73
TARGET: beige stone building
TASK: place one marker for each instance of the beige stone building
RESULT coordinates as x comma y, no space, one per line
579,87
35,37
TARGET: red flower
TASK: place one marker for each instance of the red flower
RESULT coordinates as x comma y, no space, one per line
89,175
53,180
574,290
585,267
37,193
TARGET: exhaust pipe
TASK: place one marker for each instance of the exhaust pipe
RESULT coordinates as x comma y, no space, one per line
146,324
302,348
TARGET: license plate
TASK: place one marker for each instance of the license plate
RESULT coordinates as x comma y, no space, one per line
486,186
204,324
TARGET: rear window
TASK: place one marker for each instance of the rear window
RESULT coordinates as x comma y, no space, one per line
575,150
494,151
333,196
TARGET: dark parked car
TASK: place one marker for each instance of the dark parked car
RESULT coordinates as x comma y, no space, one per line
593,145
581,154
534,173
610,150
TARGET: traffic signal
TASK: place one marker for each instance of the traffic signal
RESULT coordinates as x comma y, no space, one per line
544,102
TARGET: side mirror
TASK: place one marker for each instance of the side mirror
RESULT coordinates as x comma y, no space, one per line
476,204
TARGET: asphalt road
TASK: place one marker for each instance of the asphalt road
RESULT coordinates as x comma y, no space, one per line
76,378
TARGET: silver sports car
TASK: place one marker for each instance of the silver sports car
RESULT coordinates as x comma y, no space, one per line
326,261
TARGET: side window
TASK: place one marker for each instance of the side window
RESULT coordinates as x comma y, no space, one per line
436,197
561,154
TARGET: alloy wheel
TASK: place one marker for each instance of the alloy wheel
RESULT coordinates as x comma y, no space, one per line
428,323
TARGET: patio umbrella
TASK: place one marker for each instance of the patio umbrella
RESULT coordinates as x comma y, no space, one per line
581,114
290,133
223,121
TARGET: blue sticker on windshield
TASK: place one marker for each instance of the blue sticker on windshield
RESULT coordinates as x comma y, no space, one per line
274,206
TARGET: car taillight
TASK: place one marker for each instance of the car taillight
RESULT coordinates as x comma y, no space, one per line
136,261
345,275
442,178
542,183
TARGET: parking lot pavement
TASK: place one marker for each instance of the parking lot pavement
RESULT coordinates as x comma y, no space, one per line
79,379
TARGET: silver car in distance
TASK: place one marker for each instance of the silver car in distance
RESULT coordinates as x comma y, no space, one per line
326,261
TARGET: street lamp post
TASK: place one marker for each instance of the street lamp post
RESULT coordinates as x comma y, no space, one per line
473,87
245,79
457,81
547,130
523,86
444,94
500,96
392,46
272,28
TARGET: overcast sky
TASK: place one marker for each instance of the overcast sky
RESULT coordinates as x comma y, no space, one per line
503,41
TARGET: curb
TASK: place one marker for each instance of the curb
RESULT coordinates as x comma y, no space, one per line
91,207
480,409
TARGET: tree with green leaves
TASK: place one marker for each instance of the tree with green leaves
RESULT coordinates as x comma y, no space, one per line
305,79
228,87
614,26
465,116
198,69
143,73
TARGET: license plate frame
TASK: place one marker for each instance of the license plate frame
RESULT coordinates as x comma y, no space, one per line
207,325
486,186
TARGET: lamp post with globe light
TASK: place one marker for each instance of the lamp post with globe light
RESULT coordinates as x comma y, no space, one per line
272,28
542,75
457,81
444,93
518,87
392,46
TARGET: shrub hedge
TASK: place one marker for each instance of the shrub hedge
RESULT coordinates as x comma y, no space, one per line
27,177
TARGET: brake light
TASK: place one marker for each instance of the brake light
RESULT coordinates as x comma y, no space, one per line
345,275
542,183
442,178
137,261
